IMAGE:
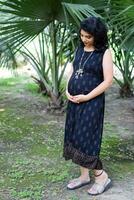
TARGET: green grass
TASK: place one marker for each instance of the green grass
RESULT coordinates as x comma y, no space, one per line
12,81
32,87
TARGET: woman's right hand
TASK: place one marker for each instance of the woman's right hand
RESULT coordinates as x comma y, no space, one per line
75,99
69,96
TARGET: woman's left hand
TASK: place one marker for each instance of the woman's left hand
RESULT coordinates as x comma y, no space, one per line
80,98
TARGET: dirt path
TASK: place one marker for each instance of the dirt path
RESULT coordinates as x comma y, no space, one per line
120,112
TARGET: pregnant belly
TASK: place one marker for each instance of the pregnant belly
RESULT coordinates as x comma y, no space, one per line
82,85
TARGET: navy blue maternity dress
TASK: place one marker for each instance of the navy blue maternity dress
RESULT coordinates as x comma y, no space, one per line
84,121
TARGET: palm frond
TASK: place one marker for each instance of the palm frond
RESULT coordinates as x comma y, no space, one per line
26,19
121,17
78,12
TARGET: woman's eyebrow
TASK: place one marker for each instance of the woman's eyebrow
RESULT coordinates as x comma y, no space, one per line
86,35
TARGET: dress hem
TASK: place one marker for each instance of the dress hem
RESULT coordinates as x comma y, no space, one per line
80,158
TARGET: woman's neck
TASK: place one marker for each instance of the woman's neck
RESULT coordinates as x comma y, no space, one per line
89,48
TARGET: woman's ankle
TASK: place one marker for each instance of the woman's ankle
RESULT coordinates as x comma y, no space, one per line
102,177
84,177
98,172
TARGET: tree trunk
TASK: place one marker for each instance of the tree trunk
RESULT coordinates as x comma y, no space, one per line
126,91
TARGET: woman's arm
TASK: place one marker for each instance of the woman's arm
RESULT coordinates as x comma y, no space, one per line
69,74
108,79
70,97
108,76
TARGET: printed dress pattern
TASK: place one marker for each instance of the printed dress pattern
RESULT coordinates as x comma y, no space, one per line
84,121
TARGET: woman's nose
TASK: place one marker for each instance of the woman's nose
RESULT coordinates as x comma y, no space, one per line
84,40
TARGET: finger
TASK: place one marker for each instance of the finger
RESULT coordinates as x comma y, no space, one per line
77,97
67,92
71,98
70,95
73,101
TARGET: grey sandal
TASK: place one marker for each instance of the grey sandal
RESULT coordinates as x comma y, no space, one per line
77,183
100,188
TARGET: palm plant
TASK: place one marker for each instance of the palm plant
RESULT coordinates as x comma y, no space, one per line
24,20
121,41
42,60
124,60
8,58
124,22
27,18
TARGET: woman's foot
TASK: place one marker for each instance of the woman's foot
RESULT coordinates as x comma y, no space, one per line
78,182
82,178
102,182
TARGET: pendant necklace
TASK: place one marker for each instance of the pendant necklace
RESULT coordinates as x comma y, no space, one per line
79,72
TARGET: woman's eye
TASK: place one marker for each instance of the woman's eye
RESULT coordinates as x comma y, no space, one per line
89,37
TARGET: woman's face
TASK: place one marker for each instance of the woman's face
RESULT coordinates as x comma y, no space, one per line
87,38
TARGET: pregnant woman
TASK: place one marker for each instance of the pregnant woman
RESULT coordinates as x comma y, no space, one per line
90,75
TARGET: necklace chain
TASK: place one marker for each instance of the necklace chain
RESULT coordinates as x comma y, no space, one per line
85,60
80,70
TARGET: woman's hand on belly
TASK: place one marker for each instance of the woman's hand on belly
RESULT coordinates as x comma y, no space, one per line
72,98
77,98
69,96
80,98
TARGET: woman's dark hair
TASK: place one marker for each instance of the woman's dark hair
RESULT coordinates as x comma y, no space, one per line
95,27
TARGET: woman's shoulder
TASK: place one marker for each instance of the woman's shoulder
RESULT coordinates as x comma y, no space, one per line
104,51
107,52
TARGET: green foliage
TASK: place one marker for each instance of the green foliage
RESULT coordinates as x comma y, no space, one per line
123,60
37,16
122,22
120,19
